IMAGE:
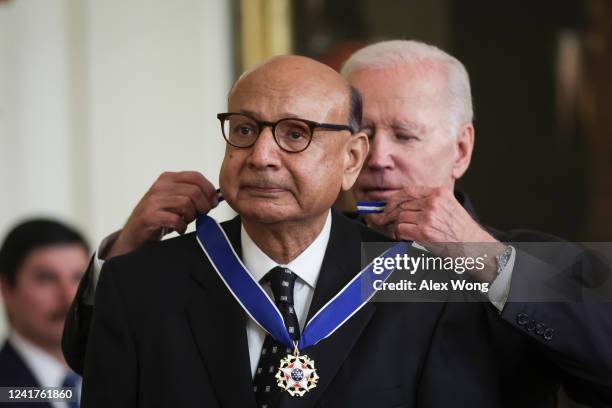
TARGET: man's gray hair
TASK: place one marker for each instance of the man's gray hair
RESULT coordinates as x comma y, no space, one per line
403,52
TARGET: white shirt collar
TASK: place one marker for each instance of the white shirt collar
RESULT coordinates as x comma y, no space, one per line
306,266
46,369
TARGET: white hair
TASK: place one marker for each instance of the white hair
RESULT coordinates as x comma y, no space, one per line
403,52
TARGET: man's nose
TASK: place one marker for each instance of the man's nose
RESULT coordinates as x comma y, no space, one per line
265,153
381,152
68,290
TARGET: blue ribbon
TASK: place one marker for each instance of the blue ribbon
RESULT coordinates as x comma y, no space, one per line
260,307
370,207
365,203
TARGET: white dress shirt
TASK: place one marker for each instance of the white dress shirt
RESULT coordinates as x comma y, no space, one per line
47,371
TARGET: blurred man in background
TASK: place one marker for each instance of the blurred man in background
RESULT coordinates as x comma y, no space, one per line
41,264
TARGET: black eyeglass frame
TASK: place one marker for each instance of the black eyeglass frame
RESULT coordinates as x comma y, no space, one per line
261,124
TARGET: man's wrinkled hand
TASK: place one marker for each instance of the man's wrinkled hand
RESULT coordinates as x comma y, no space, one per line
426,214
435,219
171,204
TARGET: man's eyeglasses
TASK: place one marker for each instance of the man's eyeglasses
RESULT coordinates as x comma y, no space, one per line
293,135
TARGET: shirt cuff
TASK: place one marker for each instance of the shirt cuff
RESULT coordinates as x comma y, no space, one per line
500,288
97,265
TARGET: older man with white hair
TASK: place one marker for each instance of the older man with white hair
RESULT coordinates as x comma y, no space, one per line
418,115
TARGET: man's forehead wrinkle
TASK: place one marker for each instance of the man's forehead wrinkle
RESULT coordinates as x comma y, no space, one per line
403,124
393,114
298,101
422,75
283,108
396,124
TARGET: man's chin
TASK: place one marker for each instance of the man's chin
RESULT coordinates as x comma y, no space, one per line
264,213
376,195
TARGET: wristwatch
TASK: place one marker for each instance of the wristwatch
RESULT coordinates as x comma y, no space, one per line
502,260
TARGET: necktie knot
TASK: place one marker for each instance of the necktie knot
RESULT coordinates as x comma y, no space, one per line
282,281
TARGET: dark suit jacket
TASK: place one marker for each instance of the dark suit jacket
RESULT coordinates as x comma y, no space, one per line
15,373
166,332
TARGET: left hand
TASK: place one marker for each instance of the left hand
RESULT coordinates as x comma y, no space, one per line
435,219
426,214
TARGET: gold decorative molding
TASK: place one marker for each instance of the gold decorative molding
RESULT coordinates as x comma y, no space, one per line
265,30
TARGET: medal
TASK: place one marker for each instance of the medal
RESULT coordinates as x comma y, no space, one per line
296,374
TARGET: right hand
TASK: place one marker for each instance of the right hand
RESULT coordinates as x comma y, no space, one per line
171,203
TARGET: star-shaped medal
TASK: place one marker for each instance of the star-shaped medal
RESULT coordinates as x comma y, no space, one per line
297,374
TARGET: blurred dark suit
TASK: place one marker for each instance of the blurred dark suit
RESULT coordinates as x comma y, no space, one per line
15,373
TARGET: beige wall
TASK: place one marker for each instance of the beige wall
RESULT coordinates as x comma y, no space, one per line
97,98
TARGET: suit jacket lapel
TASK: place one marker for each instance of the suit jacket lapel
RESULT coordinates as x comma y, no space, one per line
218,324
341,263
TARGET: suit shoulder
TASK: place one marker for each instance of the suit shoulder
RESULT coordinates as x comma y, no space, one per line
523,235
156,252
13,370
163,261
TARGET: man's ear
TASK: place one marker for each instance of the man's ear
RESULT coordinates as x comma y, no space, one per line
464,145
355,154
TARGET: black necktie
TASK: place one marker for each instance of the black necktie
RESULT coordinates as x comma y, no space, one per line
267,393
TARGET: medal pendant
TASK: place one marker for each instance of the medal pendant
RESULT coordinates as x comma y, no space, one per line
297,374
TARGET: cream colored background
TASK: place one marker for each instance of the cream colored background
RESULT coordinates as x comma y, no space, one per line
97,98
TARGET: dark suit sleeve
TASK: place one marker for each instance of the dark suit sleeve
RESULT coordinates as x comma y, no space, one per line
552,301
459,361
110,375
76,328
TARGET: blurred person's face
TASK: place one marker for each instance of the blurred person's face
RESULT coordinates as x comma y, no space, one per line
406,119
265,184
46,283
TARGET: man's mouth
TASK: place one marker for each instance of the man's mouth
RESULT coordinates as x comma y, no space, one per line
262,189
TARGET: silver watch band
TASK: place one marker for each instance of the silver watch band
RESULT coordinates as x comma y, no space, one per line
502,260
